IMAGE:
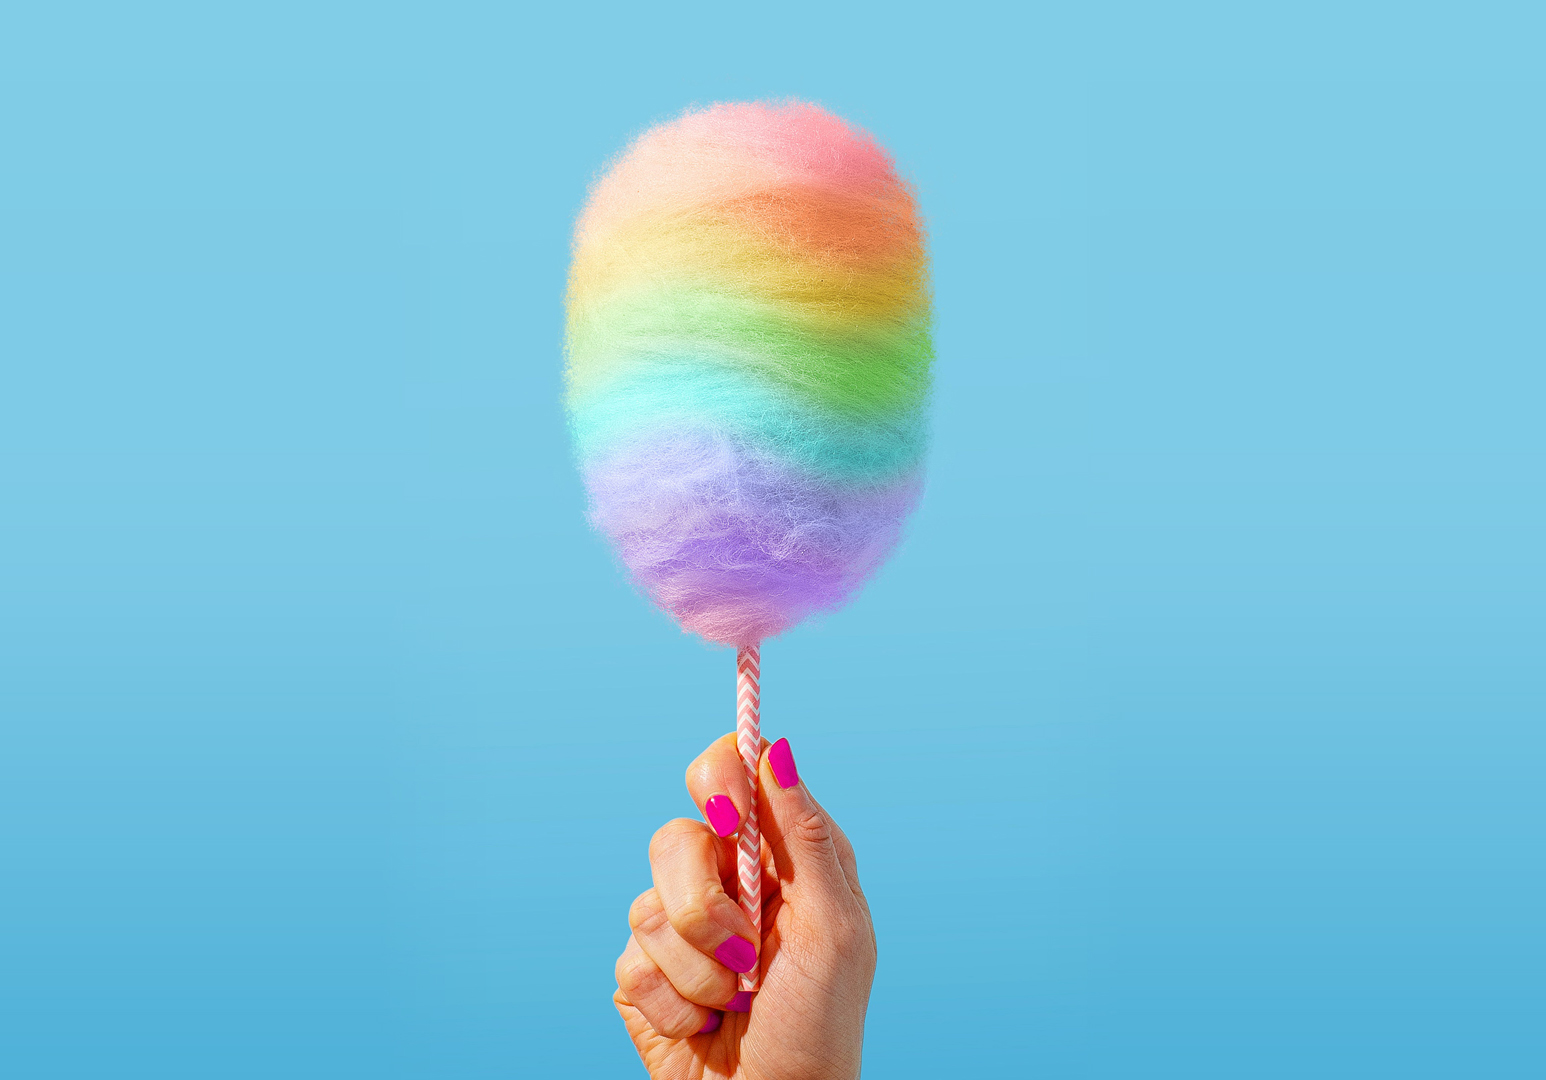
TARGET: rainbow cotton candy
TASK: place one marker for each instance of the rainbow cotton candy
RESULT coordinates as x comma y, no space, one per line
748,363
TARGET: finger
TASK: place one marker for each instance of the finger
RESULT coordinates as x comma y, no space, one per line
685,860
696,977
799,832
646,988
717,783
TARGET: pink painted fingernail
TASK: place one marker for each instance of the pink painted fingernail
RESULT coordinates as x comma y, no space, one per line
742,1002
711,1024
722,814
737,954
781,761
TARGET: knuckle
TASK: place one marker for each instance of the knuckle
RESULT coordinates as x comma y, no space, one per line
677,1023
811,827
845,850
690,916
646,912
710,988
670,838
843,929
862,943
632,974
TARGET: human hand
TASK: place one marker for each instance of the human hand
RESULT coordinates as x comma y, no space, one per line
676,987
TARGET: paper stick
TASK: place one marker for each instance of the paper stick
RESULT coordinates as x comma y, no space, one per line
748,738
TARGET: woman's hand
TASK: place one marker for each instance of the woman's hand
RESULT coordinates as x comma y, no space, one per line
676,978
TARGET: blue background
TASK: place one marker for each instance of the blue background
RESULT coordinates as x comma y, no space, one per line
1195,731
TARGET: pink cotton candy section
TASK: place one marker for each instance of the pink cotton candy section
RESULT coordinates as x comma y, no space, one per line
730,151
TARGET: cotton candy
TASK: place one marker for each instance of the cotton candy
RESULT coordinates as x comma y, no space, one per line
748,361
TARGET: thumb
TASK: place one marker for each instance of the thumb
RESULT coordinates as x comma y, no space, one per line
798,830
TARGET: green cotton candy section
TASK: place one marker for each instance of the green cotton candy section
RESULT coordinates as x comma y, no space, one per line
693,392
865,369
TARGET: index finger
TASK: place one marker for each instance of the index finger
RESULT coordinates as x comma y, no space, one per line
717,783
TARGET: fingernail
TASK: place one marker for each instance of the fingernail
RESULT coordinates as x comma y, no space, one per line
711,1024
781,761
742,1002
737,954
722,814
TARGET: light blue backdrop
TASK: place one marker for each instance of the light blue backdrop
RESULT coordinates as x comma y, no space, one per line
1196,730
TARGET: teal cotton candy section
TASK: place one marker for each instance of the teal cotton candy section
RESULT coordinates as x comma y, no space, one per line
696,393
864,369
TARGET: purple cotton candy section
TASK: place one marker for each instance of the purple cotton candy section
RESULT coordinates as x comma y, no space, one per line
736,546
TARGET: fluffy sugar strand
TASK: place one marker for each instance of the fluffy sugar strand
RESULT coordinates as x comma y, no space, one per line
748,353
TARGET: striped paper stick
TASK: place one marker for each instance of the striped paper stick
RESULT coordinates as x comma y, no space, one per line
748,738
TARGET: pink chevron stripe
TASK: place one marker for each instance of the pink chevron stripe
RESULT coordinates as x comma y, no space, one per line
748,740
